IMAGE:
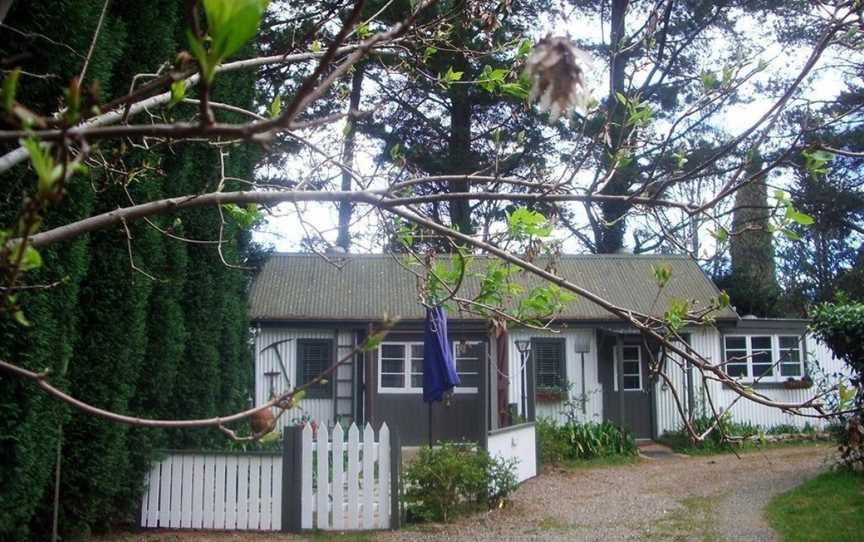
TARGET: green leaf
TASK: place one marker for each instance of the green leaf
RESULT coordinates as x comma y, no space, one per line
178,93
621,98
428,52
20,318
798,217
244,217
395,152
516,90
524,48
363,30
723,300
232,23
315,46
31,259
721,234
43,164
790,234
662,274
524,223
10,86
449,77
276,107
709,80
200,54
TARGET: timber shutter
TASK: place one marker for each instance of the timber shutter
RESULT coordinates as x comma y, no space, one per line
549,362
314,356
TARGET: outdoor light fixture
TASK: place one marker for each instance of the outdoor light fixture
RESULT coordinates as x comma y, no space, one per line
583,346
524,348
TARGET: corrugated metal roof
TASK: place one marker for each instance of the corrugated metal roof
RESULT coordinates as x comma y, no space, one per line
294,286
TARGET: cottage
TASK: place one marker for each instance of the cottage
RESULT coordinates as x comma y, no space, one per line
309,312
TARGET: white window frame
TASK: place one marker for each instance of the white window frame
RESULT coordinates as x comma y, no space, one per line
625,374
407,388
799,346
776,364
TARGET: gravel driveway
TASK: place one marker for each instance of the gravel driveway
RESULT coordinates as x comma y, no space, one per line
672,497
712,498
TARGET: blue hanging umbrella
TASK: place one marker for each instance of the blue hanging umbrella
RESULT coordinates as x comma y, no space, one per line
439,371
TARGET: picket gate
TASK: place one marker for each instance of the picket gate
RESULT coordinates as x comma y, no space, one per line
348,484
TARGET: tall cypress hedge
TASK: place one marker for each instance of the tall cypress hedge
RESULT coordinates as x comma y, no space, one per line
175,345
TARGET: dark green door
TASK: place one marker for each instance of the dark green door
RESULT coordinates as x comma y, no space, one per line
634,389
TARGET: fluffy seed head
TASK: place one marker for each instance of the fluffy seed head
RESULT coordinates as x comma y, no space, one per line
557,69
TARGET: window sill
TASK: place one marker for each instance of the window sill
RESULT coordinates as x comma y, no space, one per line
775,385
419,391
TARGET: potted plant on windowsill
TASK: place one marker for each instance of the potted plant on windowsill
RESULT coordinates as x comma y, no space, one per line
548,394
798,384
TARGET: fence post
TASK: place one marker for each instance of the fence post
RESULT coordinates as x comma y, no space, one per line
292,472
395,480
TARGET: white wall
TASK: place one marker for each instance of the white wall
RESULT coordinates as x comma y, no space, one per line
517,442
593,389
707,341
320,410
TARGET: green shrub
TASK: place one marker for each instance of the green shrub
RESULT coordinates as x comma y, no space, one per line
573,441
552,445
453,478
714,442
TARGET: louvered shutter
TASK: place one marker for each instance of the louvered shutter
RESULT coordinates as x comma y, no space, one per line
549,362
314,356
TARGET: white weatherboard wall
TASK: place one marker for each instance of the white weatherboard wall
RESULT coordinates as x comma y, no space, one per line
707,342
220,491
319,410
593,388
518,442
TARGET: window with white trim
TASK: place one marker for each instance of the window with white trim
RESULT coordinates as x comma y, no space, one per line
400,366
631,368
790,356
468,356
766,358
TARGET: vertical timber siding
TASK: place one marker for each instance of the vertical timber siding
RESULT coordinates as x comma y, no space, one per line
320,410
707,341
593,388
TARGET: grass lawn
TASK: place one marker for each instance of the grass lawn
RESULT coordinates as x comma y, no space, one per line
829,507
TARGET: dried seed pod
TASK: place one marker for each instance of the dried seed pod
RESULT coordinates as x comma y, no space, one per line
262,421
557,69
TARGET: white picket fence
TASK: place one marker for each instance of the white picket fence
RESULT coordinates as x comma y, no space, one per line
346,484
222,491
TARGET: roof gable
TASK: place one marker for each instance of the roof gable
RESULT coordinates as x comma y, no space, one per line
365,287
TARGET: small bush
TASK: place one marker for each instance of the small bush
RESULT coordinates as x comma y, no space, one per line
453,478
573,441
553,447
680,441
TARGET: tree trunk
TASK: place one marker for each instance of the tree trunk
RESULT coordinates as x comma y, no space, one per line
459,155
609,232
346,208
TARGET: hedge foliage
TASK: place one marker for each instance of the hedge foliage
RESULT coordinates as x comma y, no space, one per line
171,347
